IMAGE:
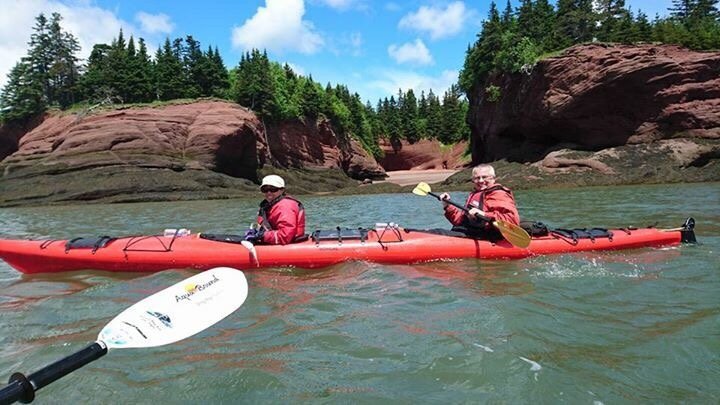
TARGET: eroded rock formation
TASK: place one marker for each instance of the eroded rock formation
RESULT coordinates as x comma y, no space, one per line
423,155
204,149
596,96
295,144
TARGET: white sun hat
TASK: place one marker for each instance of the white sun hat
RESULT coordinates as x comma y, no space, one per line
273,180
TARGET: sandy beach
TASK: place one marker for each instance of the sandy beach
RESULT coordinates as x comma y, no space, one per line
411,177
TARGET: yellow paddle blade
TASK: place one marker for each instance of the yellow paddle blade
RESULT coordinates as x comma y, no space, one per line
513,234
422,189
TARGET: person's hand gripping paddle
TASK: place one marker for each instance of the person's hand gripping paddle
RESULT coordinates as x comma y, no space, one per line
511,232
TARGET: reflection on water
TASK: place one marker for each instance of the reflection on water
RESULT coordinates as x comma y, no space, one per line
600,327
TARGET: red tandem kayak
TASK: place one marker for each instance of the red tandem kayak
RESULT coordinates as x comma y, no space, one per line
392,245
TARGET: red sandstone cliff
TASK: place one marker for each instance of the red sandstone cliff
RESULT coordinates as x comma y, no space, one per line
593,97
423,155
155,152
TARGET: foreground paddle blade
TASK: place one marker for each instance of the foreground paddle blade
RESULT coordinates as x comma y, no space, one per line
514,234
422,189
172,314
178,312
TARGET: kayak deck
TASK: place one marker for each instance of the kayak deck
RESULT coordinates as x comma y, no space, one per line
391,245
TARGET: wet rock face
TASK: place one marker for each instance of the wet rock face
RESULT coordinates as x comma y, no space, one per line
296,144
210,135
597,96
422,155
197,150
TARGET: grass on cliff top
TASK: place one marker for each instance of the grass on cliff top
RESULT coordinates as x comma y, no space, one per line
96,107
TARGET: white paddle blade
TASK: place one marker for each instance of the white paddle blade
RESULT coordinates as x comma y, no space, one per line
179,311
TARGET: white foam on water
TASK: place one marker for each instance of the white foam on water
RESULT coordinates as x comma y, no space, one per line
534,366
572,267
487,349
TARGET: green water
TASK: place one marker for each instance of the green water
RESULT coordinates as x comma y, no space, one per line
639,326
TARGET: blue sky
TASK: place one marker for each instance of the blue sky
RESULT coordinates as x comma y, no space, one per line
373,47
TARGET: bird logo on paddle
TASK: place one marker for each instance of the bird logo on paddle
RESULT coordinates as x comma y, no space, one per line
161,317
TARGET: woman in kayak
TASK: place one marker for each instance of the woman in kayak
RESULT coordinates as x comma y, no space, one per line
489,199
281,217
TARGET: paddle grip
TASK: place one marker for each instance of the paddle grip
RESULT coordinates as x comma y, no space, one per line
456,205
18,389
23,388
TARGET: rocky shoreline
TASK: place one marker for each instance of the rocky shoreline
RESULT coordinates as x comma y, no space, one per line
596,115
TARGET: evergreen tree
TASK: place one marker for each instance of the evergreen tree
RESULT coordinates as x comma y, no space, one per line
39,57
63,72
625,30
94,82
169,75
393,120
453,117
47,76
525,19
21,97
705,9
195,66
544,21
144,69
681,10
409,117
643,28
422,123
52,61
118,68
218,74
507,19
615,21
434,117
254,85
576,22
480,57
139,73
311,99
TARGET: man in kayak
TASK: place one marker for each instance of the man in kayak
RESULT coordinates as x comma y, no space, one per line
281,217
489,199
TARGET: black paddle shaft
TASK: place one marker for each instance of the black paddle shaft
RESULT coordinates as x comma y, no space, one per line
21,388
454,204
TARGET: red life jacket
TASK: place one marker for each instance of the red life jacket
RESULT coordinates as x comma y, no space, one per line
497,202
283,220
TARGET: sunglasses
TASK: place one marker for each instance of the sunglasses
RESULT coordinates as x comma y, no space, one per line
268,189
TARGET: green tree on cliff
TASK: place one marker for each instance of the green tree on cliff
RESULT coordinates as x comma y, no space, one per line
254,86
409,117
454,128
169,75
50,67
311,99
434,117
480,57
21,98
140,73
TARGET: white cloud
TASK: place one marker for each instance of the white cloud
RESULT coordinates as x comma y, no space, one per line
389,82
411,52
438,22
88,23
278,27
338,4
155,23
